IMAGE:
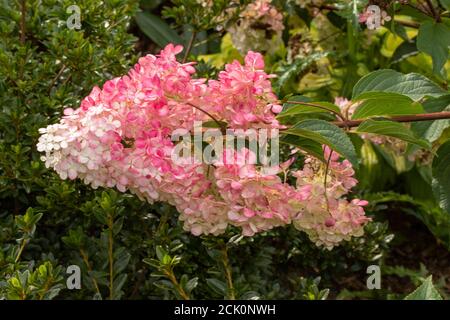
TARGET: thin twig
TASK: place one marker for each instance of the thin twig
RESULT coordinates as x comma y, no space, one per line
85,258
325,7
228,274
338,114
329,36
57,77
176,284
44,290
220,124
23,11
419,8
433,10
111,257
410,24
189,47
327,167
22,246
216,35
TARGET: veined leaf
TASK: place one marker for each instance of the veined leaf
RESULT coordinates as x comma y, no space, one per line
405,50
432,130
157,29
310,146
385,103
327,133
426,291
149,4
445,4
290,109
434,39
297,98
412,85
391,129
296,68
217,285
441,176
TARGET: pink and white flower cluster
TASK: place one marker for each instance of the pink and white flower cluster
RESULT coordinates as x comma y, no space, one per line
327,217
120,137
258,23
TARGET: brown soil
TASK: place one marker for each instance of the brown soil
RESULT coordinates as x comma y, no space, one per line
412,246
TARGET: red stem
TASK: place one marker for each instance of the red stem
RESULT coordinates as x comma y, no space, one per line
409,118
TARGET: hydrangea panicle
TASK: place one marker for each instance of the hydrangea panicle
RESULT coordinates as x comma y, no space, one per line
121,136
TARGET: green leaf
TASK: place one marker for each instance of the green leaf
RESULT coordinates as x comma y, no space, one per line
160,252
118,283
441,176
385,103
398,30
426,291
374,173
30,218
290,109
296,68
413,12
122,258
297,98
214,124
391,129
217,285
434,40
405,50
336,20
432,130
149,4
117,226
412,85
191,284
201,37
157,29
310,146
327,133
398,162
445,4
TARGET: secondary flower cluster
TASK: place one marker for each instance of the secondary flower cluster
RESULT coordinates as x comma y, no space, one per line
258,23
120,137
327,217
